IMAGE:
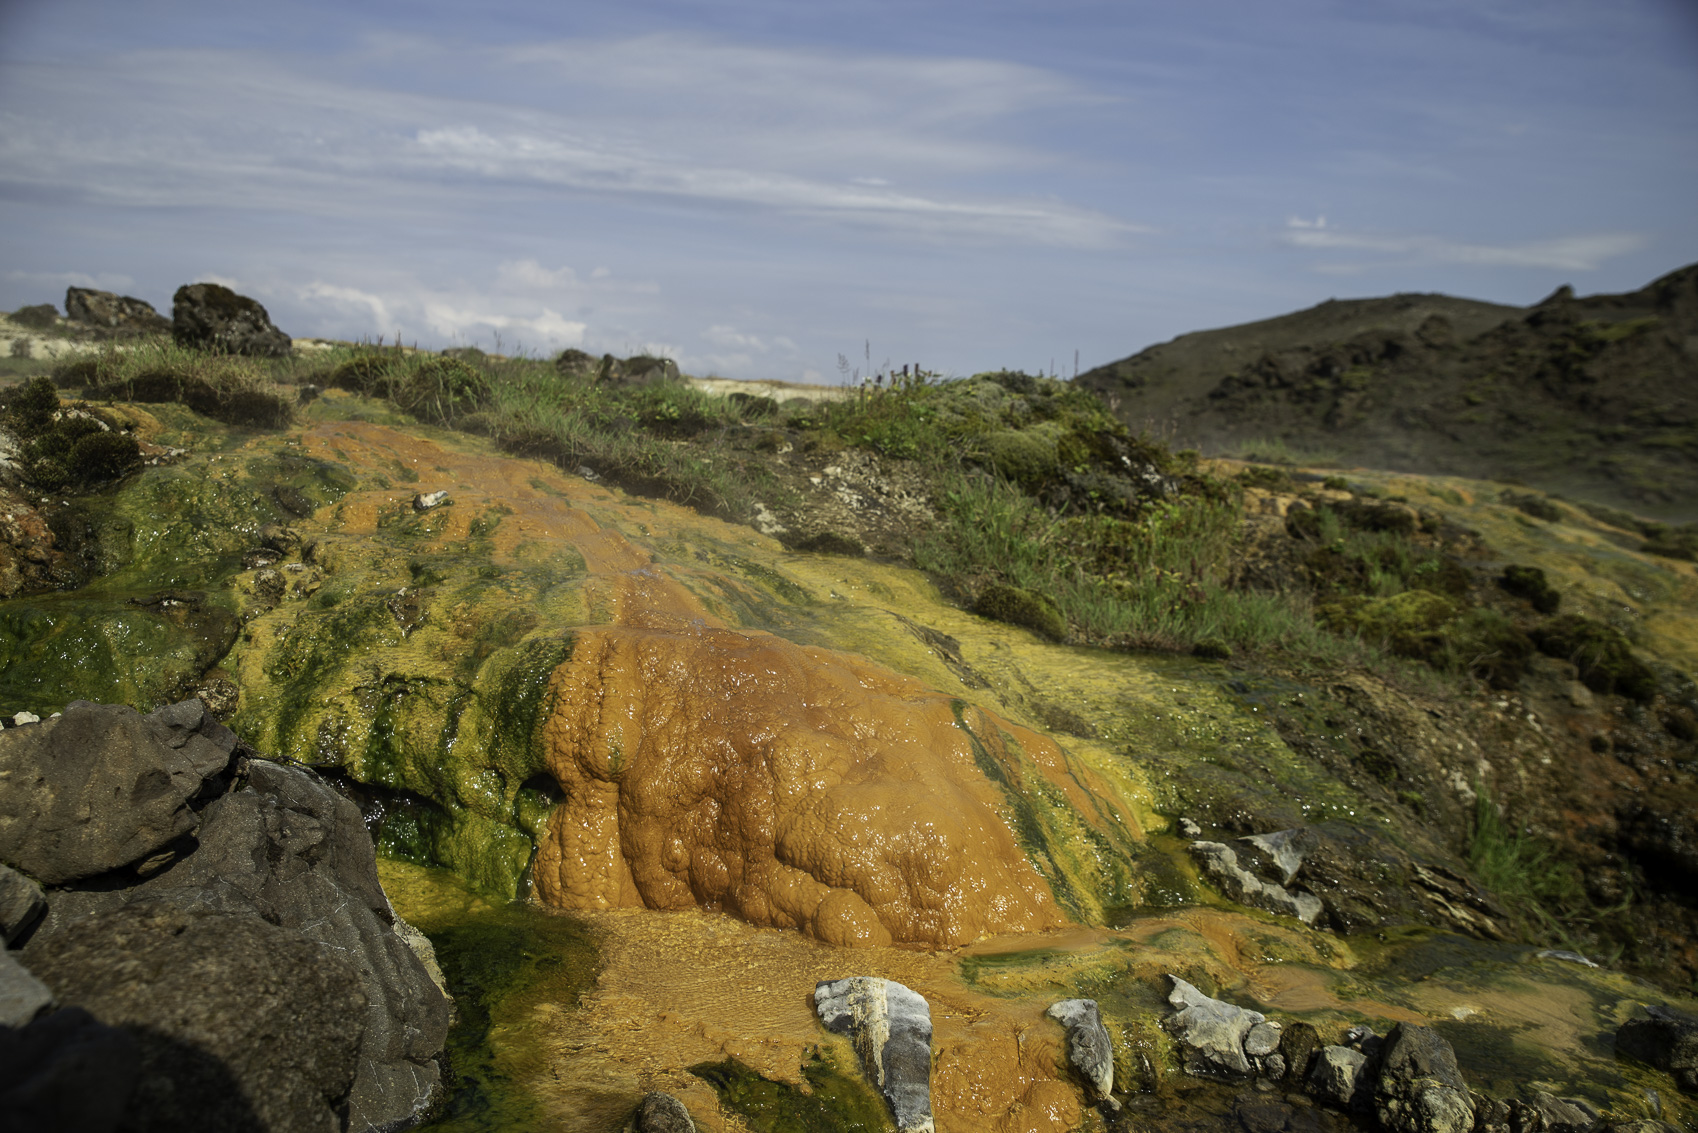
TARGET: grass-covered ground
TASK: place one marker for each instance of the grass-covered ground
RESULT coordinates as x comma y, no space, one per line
1047,511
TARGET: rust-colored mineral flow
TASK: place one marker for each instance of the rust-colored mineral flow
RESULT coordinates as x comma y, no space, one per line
792,786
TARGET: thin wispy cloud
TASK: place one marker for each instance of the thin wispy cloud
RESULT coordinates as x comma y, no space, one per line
1582,252
281,138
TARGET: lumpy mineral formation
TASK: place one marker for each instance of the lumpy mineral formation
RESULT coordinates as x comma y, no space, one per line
793,786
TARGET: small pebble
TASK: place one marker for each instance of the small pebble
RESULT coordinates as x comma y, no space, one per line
427,500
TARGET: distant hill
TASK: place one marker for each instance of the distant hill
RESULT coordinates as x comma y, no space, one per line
1594,397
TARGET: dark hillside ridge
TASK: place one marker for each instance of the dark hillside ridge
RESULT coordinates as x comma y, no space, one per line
1595,398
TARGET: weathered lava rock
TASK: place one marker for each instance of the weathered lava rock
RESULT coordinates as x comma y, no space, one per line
280,868
891,1027
212,317
114,312
240,1024
1664,1038
101,787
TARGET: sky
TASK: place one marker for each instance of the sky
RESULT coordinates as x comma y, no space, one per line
780,190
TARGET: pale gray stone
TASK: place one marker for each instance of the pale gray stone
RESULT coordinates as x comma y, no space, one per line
1263,1039
891,1028
1337,1076
1221,864
1211,1033
1287,848
1088,1047
22,996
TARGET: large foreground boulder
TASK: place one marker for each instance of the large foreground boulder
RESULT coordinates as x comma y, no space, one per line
225,912
239,1024
113,312
210,316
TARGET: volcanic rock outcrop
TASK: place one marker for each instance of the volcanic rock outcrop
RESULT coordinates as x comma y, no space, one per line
113,312
213,317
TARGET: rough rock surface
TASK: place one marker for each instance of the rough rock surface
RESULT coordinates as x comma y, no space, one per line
1420,1089
101,787
1238,883
1664,1038
66,1071
891,1027
241,1024
211,316
283,856
21,904
1088,1046
115,312
1218,1039
1339,1078
288,850
661,1113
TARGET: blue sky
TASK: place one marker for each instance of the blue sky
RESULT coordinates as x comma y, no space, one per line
756,187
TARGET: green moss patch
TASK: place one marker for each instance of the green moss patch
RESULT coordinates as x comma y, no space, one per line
836,1102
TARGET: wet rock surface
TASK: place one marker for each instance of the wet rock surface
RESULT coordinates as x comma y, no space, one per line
891,1028
1420,1089
1217,1038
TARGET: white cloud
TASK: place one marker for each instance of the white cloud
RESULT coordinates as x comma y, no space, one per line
318,289
531,275
290,137
1582,252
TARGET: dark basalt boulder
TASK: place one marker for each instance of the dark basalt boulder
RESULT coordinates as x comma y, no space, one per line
1664,1038
113,312
197,862
240,1024
212,317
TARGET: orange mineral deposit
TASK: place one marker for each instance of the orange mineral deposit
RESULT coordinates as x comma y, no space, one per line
791,786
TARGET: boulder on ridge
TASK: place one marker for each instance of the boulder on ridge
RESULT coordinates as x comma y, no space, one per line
212,317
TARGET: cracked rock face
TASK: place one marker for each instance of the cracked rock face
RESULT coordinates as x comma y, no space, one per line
1221,863
1088,1047
96,802
891,1027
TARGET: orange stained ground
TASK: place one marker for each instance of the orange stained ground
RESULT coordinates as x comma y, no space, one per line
727,768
